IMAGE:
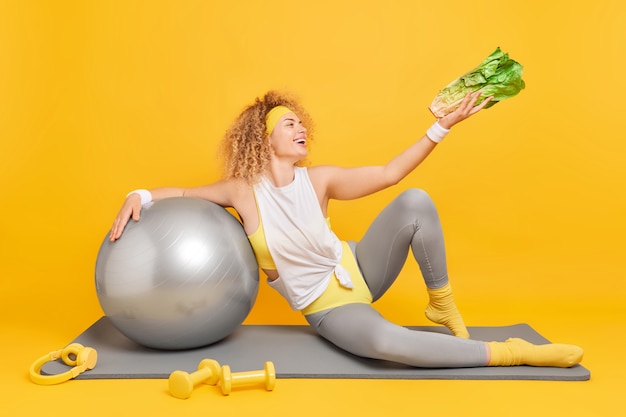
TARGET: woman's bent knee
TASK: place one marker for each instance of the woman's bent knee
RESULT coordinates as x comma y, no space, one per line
413,199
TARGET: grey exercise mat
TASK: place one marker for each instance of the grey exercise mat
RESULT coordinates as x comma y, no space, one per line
297,352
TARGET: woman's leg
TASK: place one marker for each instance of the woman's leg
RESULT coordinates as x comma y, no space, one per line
362,331
410,221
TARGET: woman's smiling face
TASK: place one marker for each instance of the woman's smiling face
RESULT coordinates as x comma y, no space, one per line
288,139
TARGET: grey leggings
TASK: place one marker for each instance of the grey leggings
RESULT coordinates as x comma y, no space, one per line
409,221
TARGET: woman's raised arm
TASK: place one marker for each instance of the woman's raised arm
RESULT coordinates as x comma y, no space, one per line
350,183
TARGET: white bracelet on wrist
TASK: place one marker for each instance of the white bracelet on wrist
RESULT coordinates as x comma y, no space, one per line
145,195
436,132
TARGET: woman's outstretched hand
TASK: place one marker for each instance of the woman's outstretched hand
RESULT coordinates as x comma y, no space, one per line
467,108
130,209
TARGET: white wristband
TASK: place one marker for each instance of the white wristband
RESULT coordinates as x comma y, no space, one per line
436,132
146,196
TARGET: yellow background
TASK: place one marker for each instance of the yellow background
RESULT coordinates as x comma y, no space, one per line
101,97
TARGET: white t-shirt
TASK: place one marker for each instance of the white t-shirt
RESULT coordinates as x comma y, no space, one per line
304,248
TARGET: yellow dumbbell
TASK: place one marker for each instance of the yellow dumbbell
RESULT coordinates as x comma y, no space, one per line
265,376
182,383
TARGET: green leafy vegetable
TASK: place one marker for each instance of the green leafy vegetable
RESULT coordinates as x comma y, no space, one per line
496,76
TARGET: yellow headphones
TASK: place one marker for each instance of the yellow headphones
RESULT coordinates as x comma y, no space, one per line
81,358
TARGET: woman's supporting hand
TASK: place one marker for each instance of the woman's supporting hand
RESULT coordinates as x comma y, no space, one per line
130,209
467,108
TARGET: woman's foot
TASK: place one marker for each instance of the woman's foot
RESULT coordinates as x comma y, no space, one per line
442,310
515,351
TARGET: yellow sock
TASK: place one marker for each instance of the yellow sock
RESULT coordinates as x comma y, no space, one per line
442,310
517,351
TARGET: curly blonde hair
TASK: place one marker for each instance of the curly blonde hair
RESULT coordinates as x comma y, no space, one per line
245,149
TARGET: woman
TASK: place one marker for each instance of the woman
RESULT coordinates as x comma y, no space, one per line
283,209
